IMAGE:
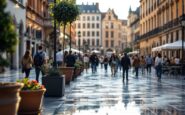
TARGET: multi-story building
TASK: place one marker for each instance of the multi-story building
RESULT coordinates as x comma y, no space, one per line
124,30
160,23
133,29
111,32
38,24
17,9
88,28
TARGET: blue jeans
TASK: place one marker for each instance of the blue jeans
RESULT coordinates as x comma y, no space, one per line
137,71
93,67
159,71
37,71
105,66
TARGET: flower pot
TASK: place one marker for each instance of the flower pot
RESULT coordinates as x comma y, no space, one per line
78,71
9,98
31,102
68,72
55,85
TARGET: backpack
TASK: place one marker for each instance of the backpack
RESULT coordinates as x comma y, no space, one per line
39,59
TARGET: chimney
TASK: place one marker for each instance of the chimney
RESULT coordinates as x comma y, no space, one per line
97,5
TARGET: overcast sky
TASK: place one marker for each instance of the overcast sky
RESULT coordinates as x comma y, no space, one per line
120,7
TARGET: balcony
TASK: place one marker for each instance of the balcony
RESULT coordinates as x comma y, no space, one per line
165,27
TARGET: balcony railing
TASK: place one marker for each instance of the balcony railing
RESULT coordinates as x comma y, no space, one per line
165,27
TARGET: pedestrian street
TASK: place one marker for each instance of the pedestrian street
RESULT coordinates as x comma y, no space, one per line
102,94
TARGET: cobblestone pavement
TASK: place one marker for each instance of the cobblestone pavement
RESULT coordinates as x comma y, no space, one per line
102,94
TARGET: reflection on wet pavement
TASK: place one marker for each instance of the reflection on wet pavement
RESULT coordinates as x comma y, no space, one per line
102,94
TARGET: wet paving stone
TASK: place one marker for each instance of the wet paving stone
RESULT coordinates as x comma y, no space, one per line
102,94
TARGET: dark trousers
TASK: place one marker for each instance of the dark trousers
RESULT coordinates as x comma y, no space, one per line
137,71
148,67
105,66
125,70
37,71
27,72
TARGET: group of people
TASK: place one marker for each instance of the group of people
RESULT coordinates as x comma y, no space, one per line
116,62
41,62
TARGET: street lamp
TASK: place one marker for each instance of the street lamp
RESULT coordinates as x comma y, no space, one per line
79,35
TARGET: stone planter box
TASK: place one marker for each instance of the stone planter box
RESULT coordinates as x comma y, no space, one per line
55,85
68,72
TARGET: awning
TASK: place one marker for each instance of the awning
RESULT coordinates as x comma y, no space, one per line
133,52
173,46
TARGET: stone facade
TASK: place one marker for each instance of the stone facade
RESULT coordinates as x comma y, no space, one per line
88,28
160,23
112,36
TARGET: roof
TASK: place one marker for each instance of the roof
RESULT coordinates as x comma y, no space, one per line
93,8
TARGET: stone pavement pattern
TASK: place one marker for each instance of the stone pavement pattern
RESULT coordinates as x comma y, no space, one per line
102,94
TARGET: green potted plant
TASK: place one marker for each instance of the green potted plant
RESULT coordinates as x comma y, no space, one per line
54,81
78,66
31,97
9,92
66,12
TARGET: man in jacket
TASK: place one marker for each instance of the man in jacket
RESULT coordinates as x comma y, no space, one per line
125,62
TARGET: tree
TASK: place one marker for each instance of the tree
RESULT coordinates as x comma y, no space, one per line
8,38
65,12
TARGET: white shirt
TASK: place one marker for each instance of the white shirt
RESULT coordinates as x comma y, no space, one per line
177,61
59,56
86,59
158,60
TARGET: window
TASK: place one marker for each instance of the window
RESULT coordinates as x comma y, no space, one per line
112,26
93,34
109,17
83,25
106,43
106,34
112,34
112,43
88,18
83,18
83,33
93,42
97,34
97,18
79,25
88,41
92,25
177,35
171,37
97,42
92,18
88,25
88,33
97,25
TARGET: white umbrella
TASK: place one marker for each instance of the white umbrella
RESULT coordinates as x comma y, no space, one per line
95,51
73,50
174,45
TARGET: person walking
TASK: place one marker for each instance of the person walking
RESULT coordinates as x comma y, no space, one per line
158,66
59,58
93,61
27,62
136,64
70,60
142,64
125,62
113,63
86,61
149,61
39,60
105,62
